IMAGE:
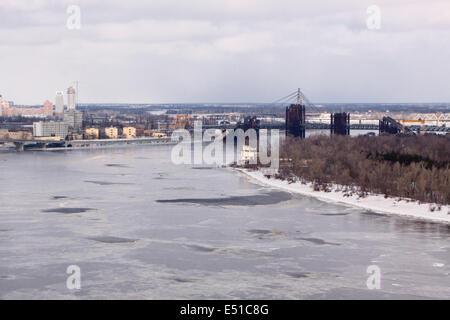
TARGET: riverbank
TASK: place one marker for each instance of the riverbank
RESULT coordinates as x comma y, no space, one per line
373,202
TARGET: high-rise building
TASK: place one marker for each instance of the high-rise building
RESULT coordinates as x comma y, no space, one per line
4,111
59,103
5,108
48,109
73,118
71,99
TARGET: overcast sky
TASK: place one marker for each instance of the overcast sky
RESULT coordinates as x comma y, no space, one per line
162,51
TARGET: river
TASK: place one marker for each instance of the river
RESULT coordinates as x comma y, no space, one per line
140,227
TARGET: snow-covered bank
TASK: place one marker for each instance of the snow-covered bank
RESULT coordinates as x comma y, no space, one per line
372,202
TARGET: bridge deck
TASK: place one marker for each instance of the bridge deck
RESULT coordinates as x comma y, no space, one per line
30,141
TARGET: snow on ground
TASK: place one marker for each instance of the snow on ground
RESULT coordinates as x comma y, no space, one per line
372,202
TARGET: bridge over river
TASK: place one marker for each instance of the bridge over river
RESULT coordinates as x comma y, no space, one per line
327,126
37,144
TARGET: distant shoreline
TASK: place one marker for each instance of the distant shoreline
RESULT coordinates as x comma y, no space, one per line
373,202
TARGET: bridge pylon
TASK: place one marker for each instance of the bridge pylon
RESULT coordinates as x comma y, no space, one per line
19,146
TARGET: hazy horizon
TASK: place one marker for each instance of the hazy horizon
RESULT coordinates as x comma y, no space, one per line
231,103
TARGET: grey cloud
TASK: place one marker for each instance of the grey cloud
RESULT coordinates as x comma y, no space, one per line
181,51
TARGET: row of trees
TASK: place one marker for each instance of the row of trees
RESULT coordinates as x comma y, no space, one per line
415,167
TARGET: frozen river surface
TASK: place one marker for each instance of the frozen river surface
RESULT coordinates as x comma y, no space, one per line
139,227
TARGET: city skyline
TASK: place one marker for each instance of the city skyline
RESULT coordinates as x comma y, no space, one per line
10,108
242,51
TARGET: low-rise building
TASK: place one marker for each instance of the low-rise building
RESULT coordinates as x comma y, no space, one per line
75,136
15,135
50,129
249,154
159,135
111,132
92,133
48,138
129,132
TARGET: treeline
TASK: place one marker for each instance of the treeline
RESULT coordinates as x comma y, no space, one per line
415,167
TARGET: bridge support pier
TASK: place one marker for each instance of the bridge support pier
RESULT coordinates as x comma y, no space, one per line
296,120
19,146
340,123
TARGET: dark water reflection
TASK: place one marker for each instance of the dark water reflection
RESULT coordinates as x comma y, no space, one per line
254,200
68,210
